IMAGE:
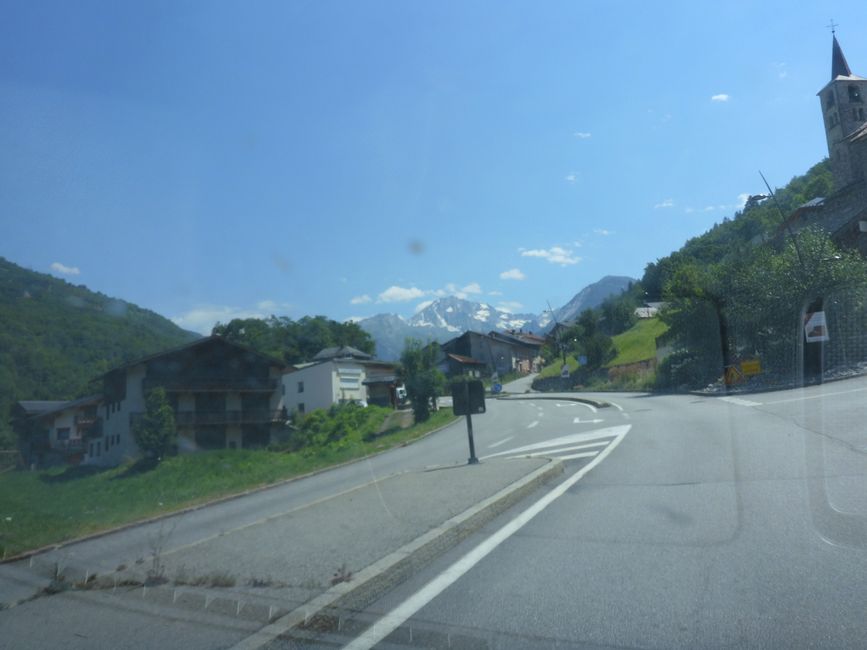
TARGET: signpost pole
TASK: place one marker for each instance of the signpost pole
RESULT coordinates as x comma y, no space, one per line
472,459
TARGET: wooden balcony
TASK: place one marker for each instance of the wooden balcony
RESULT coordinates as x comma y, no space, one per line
222,418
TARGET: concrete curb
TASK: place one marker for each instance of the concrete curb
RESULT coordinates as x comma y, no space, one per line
535,396
198,506
383,575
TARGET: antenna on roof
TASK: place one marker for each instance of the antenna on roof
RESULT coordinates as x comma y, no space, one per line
785,223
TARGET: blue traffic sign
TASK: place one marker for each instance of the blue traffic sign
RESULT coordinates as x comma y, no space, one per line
497,388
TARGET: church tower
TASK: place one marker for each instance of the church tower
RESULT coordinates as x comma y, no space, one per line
844,108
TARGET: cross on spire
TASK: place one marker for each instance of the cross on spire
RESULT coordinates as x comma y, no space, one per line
833,26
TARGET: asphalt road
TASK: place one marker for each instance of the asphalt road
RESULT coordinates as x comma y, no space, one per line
716,522
702,522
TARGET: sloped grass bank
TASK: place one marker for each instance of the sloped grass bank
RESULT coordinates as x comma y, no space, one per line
51,506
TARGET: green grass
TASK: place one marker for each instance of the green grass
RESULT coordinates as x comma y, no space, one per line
553,369
40,508
639,342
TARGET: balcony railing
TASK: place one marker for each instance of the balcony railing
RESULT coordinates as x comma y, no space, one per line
70,445
84,421
211,384
203,418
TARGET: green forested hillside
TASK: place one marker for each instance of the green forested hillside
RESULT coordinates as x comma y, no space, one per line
55,337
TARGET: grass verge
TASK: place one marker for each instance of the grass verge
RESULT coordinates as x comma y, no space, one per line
638,343
553,369
51,506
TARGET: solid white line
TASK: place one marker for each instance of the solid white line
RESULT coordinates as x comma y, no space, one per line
396,617
554,452
590,406
534,423
740,401
798,399
617,406
501,442
588,454
593,421
607,432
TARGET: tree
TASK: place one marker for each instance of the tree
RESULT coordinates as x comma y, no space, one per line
420,376
155,432
294,341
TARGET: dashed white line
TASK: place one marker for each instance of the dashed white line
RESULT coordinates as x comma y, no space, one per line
534,423
501,442
396,617
593,421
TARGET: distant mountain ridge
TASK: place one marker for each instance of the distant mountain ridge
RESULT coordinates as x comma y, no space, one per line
592,296
445,318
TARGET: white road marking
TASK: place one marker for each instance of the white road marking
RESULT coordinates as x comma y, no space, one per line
588,454
534,423
607,432
396,617
590,406
593,421
501,442
555,452
558,405
617,406
740,401
798,399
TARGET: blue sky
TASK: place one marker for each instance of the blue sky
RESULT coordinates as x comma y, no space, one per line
211,159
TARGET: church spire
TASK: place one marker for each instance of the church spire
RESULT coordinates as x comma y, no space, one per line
839,67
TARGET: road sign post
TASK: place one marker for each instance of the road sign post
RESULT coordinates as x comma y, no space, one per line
468,397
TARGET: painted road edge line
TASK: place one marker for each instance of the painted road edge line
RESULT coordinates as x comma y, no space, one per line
386,573
396,617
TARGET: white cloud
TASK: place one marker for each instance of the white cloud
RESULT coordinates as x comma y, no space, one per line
571,177
400,294
665,203
203,318
510,306
603,232
57,267
512,274
582,135
495,293
742,200
472,287
721,97
424,304
689,210
361,300
555,255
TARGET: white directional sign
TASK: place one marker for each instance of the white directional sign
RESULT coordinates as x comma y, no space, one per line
816,327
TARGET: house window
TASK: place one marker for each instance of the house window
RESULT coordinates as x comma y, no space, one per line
63,433
855,94
861,114
99,449
90,450
300,407
108,443
300,386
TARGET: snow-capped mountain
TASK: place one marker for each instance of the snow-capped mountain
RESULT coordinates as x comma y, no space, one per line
446,318
440,321
456,315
